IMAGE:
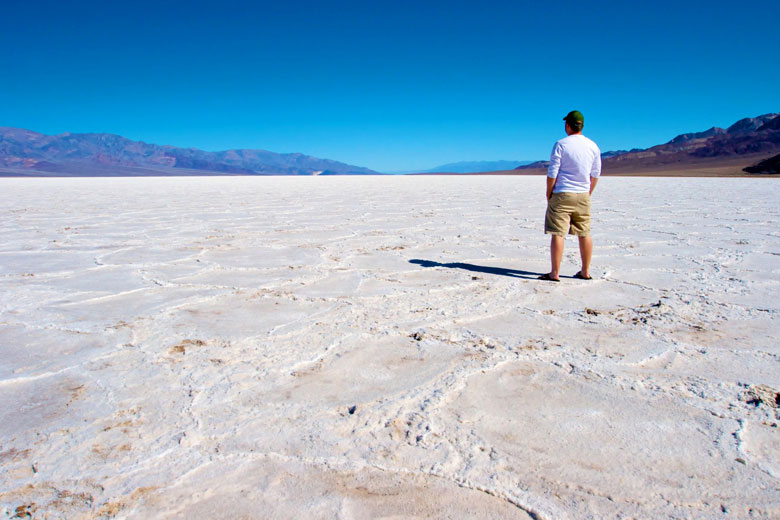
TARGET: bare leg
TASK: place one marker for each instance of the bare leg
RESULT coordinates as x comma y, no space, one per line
556,254
586,251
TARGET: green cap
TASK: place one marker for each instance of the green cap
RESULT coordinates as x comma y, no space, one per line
575,119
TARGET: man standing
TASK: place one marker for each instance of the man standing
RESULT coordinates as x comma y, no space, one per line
575,166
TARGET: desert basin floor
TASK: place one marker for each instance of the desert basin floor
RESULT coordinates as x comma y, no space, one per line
368,347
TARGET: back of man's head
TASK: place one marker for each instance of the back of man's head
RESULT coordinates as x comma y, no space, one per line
575,120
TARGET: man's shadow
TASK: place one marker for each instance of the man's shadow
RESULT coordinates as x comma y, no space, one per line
515,273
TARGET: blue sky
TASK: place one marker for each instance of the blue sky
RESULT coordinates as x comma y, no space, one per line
396,85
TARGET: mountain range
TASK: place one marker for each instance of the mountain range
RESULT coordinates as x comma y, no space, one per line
751,144
27,153
744,143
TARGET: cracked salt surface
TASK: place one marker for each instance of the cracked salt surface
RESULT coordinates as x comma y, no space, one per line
378,347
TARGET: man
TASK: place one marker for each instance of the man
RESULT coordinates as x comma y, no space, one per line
575,166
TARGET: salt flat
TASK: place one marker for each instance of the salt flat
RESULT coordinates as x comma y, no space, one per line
378,347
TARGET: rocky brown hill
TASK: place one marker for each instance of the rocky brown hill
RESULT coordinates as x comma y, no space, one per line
771,165
751,136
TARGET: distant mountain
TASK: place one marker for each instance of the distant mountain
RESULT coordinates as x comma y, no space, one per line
751,124
476,166
615,153
697,135
751,136
24,152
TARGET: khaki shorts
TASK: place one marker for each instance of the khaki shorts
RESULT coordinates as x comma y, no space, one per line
568,213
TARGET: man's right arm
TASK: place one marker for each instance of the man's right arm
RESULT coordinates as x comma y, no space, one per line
550,186
552,171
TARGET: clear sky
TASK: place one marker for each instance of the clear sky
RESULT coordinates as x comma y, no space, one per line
396,85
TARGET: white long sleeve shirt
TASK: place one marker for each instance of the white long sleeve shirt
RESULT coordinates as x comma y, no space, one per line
573,161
